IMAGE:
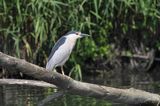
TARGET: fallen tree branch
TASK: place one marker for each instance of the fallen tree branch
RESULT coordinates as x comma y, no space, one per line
26,82
128,96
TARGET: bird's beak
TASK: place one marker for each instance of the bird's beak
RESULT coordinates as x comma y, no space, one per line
83,35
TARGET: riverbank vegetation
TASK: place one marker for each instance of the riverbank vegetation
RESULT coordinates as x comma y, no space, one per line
29,29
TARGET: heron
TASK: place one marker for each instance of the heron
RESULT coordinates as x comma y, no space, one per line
62,49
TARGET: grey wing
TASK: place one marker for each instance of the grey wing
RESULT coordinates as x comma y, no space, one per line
59,43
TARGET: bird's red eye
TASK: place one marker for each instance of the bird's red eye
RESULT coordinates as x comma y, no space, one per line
77,33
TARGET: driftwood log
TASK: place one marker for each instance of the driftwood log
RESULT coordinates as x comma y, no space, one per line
127,96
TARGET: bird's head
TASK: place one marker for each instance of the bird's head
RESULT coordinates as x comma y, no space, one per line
76,34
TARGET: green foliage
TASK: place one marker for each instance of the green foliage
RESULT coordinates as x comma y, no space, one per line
76,72
29,28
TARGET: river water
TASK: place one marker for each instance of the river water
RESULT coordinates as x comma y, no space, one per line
18,95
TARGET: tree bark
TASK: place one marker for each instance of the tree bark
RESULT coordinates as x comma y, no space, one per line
128,96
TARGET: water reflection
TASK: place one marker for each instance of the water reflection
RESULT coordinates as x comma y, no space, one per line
20,95
37,96
33,96
126,79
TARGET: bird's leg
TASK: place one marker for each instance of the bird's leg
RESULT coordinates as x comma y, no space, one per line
62,70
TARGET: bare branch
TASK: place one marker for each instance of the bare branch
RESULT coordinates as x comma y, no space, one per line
128,96
26,82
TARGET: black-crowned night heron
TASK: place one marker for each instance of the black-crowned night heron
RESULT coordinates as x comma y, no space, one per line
62,50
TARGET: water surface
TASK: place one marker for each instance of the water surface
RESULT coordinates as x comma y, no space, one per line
17,95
